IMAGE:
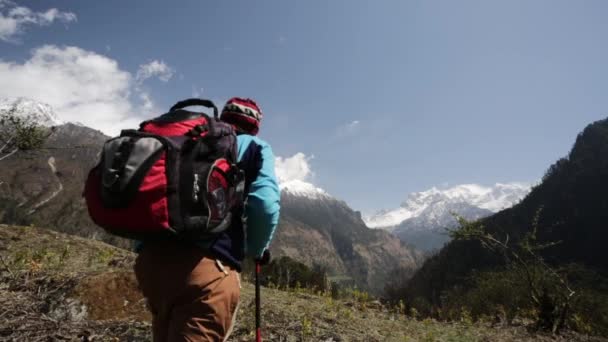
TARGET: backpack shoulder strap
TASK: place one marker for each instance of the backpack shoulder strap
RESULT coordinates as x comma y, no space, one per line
251,163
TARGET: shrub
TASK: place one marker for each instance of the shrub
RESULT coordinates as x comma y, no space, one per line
287,273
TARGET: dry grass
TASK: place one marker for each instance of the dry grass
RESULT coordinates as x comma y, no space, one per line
88,293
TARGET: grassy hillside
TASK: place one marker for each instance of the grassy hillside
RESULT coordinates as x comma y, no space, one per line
567,212
57,287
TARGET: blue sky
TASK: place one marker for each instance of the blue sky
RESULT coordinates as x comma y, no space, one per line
384,98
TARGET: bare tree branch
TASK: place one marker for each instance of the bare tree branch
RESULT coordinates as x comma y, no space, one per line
9,154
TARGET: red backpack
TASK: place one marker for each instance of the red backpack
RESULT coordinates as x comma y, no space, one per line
175,176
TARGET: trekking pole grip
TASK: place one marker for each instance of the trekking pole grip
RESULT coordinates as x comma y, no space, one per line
195,102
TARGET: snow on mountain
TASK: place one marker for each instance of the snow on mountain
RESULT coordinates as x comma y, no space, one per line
422,219
30,109
300,188
493,199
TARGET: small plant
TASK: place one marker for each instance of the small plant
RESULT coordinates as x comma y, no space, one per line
465,316
103,256
360,298
306,327
581,325
429,336
345,313
20,259
413,313
65,254
35,267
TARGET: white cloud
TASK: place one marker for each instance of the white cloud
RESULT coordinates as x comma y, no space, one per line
14,19
294,175
296,167
154,68
348,129
81,86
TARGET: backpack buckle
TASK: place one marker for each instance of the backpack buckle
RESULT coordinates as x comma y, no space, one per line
110,178
197,130
235,174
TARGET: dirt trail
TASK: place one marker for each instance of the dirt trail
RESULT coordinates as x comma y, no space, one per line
53,167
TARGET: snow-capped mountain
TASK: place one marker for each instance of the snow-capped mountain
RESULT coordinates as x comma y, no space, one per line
30,109
422,218
300,188
494,199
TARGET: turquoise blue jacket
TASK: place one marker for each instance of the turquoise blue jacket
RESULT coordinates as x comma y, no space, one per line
263,201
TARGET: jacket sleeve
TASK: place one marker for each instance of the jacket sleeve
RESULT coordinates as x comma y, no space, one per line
262,207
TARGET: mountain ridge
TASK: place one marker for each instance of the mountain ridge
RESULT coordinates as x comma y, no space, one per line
29,109
423,218
568,208
494,198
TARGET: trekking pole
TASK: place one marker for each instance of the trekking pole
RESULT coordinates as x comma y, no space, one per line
264,260
258,329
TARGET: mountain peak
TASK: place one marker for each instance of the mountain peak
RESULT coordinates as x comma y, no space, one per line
493,198
300,188
39,112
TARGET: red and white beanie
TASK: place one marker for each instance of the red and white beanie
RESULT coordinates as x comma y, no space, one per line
244,114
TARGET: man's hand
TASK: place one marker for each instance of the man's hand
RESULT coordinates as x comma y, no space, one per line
264,259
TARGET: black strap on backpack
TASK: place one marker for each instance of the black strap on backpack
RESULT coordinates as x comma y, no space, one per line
195,102
175,115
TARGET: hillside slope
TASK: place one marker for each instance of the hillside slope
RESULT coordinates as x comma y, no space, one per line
573,211
57,287
328,232
45,187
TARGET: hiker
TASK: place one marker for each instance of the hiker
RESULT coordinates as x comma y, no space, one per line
191,283
194,292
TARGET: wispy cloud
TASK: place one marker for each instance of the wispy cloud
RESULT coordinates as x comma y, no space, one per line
154,68
347,130
14,19
197,91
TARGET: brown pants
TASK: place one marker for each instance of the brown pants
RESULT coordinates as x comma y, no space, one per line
192,296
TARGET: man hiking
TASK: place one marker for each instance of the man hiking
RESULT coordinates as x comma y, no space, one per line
193,287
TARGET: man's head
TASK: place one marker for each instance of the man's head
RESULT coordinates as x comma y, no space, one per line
244,114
